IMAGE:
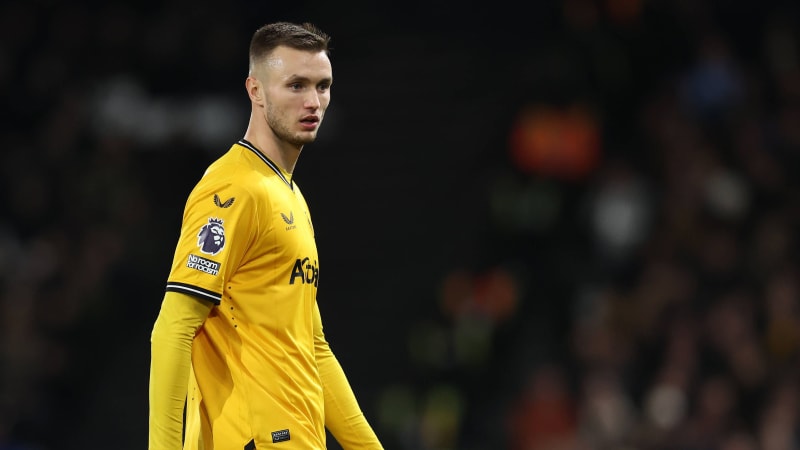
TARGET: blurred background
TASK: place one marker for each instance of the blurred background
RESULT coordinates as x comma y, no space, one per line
560,224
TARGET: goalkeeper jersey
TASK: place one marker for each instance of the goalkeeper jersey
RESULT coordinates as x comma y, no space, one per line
247,245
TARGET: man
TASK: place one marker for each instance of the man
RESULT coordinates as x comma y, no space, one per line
239,328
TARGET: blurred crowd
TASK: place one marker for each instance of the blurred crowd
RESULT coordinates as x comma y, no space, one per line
636,284
84,177
630,279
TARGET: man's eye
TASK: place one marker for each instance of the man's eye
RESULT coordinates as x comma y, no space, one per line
296,86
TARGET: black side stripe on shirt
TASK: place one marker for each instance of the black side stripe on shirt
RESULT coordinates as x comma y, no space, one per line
194,291
267,161
250,445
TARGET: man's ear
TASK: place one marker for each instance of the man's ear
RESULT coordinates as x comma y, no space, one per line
254,90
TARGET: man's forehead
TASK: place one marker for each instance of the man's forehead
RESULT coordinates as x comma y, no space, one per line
283,57
274,62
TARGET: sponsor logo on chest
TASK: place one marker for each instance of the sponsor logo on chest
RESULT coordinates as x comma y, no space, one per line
305,271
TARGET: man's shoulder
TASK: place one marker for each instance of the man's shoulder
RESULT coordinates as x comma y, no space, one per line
237,175
231,165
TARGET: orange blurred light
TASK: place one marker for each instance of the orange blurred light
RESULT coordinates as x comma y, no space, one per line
563,144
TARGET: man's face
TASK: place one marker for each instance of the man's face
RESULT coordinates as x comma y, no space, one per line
297,93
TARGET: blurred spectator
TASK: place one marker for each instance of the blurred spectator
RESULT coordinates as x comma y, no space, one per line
545,415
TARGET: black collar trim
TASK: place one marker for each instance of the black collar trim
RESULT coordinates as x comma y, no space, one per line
245,143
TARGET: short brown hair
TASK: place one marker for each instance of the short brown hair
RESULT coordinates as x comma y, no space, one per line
304,36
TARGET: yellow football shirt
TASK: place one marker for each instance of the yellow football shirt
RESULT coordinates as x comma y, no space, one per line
247,244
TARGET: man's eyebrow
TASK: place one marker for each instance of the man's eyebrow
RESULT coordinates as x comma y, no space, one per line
299,78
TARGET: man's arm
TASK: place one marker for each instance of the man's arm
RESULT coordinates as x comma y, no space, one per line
170,362
343,416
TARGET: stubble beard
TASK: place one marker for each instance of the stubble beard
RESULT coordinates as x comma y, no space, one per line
282,131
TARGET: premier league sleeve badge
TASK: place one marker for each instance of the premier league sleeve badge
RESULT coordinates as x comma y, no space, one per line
211,238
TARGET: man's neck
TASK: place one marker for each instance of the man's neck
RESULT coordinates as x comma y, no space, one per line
281,153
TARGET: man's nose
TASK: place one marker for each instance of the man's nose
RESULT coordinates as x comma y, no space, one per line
313,101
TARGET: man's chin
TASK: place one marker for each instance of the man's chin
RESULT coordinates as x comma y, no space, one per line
305,138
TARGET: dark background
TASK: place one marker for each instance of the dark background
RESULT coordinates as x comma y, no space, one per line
547,225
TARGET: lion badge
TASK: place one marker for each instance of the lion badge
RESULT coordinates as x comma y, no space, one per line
211,238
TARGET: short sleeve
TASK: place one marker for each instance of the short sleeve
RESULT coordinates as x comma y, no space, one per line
219,223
